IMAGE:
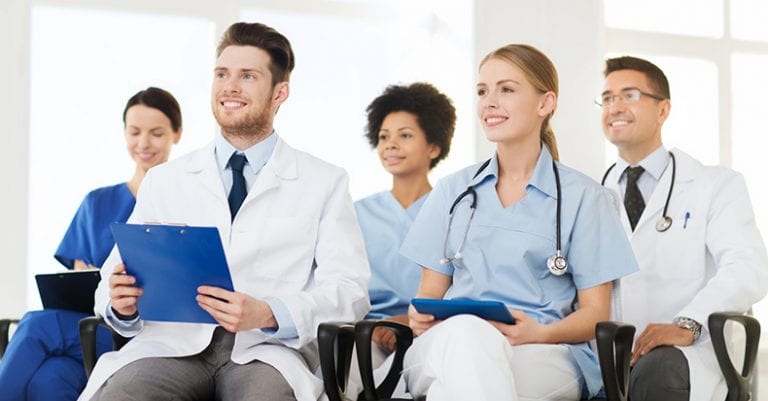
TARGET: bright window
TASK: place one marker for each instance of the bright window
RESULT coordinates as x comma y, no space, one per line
748,19
684,17
344,61
85,64
749,139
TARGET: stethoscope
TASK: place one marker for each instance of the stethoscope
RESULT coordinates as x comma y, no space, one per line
664,221
557,263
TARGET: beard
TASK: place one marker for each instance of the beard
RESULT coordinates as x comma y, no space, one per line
254,124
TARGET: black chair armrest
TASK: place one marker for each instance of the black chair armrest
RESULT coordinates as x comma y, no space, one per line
737,381
614,350
5,328
88,326
363,336
338,337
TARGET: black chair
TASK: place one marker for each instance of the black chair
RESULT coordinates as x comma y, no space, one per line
88,326
5,329
614,345
738,381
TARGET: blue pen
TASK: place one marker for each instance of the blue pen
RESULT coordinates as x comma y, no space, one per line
685,219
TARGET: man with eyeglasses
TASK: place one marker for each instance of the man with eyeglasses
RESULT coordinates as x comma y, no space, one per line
695,240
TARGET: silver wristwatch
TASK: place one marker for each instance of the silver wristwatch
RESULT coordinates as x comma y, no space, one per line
689,324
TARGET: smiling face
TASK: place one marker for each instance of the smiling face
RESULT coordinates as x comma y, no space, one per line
149,136
634,127
403,148
243,98
510,108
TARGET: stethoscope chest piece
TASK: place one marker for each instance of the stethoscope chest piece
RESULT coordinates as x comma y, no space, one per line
663,224
557,264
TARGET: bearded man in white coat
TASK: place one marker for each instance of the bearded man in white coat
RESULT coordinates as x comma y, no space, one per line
706,256
291,239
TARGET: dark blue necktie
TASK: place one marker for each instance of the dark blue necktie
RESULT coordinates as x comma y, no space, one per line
633,199
238,192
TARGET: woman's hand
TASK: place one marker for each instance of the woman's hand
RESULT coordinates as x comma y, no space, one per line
384,338
420,322
526,330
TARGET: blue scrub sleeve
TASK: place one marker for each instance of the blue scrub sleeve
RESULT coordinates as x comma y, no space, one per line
426,238
599,249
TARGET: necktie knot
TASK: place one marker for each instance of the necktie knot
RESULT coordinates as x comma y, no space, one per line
633,198
237,162
633,173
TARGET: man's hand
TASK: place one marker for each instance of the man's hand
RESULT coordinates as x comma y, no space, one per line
656,335
122,293
235,311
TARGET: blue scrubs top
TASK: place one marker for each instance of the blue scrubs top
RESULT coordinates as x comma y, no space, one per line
506,249
394,279
89,237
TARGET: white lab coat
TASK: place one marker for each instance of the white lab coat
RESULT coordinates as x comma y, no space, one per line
716,261
295,238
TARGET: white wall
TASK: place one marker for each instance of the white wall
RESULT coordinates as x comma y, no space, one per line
569,32
14,125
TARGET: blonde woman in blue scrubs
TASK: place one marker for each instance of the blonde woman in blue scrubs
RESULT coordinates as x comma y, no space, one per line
411,128
501,254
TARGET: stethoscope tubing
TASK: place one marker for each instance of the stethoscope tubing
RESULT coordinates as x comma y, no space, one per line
665,221
558,268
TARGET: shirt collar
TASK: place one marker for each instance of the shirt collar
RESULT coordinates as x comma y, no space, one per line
543,177
654,164
257,155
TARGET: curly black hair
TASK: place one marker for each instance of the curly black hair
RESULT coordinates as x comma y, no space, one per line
433,110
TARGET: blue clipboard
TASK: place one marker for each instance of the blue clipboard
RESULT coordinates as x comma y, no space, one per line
169,263
442,309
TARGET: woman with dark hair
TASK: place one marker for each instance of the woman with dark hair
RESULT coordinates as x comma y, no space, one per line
524,230
44,360
411,128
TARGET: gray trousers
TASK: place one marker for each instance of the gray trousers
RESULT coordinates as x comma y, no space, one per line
208,375
660,375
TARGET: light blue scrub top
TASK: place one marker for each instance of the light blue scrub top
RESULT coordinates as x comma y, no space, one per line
505,253
394,279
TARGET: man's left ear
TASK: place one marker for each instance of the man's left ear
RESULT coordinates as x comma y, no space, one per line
664,109
280,93
548,103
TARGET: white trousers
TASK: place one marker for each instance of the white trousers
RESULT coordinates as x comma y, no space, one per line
466,358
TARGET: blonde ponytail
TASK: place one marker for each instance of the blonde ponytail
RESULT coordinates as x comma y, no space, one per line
548,138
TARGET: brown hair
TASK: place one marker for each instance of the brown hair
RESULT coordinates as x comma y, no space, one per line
265,38
159,99
656,78
541,72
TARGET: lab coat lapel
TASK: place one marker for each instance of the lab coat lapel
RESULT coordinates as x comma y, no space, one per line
281,165
685,172
203,164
